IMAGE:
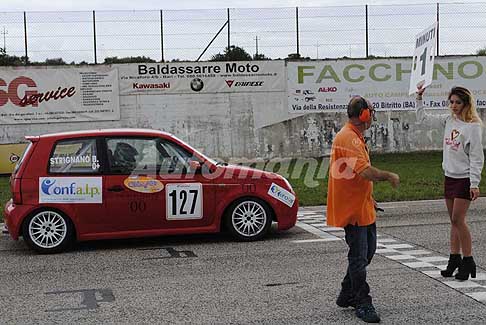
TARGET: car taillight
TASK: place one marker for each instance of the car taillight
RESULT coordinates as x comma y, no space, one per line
16,193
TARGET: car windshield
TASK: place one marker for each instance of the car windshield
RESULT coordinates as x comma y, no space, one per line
211,161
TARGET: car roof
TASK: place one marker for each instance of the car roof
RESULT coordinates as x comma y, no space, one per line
106,132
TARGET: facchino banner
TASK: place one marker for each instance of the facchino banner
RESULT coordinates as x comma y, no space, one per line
48,95
202,77
327,86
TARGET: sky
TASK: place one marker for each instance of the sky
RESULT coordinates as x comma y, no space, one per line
75,5
327,28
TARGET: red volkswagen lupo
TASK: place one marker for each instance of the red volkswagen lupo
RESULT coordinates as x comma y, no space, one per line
124,183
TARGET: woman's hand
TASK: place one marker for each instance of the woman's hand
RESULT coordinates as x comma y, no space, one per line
420,92
474,193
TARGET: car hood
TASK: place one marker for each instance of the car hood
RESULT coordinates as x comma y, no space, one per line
243,172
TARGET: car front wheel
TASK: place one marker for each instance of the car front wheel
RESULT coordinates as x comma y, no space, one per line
249,219
48,232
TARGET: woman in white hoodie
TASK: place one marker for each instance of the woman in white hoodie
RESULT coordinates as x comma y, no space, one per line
462,162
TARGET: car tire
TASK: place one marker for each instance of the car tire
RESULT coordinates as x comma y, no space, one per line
48,232
248,219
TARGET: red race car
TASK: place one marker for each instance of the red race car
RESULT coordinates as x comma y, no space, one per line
123,183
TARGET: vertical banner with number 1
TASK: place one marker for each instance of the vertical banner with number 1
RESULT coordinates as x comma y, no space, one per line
423,58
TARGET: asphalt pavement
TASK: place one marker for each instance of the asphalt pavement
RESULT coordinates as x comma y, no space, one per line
291,277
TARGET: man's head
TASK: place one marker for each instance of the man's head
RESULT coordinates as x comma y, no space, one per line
361,112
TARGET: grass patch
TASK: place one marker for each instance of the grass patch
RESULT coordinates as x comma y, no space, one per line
4,193
421,177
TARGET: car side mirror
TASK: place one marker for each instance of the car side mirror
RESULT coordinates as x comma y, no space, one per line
195,165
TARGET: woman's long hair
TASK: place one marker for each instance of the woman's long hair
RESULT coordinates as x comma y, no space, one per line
469,113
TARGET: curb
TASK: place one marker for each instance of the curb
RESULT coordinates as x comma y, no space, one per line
389,204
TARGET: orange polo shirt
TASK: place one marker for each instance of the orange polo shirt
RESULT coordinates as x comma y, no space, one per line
349,196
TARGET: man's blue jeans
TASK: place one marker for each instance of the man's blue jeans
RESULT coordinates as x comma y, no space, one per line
362,246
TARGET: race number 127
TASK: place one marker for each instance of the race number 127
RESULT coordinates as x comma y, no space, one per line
184,201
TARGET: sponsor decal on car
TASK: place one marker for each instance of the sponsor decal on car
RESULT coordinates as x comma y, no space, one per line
143,184
70,190
281,194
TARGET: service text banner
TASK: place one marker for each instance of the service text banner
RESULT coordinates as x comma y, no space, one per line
48,95
327,86
202,77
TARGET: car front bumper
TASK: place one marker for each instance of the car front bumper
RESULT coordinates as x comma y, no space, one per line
287,217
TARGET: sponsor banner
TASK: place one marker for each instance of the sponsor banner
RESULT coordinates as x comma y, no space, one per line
327,86
49,95
281,194
70,190
201,77
10,154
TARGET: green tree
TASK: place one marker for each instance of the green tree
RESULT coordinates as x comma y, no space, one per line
10,60
294,56
130,59
56,61
481,51
260,56
232,53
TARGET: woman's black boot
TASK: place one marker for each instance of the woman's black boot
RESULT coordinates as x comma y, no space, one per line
455,261
467,267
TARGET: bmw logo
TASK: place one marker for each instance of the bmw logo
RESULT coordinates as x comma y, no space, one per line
197,84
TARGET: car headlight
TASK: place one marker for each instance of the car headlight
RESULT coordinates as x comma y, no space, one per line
288,184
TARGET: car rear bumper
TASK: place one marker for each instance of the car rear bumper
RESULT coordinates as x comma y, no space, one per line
14,215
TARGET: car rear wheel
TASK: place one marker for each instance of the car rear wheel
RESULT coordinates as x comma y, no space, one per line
249,219
48,232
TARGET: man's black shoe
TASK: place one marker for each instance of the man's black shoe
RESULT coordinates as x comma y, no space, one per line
367,313
345,300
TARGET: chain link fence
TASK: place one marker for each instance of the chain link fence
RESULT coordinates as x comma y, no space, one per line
275,33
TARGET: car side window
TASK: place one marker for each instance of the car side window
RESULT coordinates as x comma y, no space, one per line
76,156
132,155
173,158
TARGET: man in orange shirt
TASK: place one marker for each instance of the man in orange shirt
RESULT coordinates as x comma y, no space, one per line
350,204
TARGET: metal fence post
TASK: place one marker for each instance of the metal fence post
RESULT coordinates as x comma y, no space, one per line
367,44
161,36
25,39
437,29
297,28
229,41
94,37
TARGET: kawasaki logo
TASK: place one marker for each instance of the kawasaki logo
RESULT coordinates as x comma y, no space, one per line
163,85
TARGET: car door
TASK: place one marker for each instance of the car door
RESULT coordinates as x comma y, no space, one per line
189,195
74,180
134,192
